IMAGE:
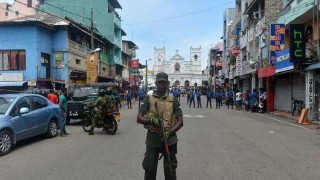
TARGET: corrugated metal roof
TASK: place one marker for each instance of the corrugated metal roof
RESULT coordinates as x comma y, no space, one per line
45,18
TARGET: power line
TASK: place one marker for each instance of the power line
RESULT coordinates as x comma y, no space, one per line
67,11
175,17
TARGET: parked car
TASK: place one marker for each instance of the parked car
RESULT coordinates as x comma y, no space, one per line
26,115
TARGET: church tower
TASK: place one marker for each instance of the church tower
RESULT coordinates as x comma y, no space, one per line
159,59
195,58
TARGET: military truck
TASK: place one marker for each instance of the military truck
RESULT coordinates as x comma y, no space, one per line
83,96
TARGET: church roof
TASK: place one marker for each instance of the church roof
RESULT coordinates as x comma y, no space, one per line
177,57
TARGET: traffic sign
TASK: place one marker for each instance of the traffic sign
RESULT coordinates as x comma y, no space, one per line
235,51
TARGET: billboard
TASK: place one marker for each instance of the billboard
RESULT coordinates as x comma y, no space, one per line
277,33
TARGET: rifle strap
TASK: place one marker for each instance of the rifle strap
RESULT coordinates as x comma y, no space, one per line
161,156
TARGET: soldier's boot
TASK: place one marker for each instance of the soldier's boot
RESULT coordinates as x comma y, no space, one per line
91,132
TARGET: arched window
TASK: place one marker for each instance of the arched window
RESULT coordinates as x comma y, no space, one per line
177,67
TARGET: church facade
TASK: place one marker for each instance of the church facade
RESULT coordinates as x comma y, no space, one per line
178,69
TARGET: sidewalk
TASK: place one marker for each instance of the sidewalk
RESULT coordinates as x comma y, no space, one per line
314,125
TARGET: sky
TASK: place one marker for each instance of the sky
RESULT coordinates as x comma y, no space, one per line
173,24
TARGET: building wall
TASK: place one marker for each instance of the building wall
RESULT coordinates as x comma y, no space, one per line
22,10
30,38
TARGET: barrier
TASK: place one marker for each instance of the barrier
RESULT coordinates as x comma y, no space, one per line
303,119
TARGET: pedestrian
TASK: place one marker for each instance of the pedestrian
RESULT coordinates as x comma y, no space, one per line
238,100
198,98
230,98
253,100
188,97
63,108
192,94
129,99
53,97
176,94
209,97
160,105
141,96
218,99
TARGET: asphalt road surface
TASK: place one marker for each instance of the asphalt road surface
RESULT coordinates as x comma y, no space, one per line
213,144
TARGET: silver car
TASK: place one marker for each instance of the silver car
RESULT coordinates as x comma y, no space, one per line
26,115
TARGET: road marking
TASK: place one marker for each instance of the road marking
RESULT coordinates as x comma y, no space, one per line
289,123
193,115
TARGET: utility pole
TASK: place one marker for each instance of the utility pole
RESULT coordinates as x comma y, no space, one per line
92,40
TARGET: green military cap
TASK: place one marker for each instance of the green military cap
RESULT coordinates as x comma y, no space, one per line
162,76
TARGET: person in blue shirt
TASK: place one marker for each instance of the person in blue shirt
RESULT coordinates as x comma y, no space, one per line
253,100
198,94
141,96
198,98
129,99
175,93
218,99
63,108
192,94
230,98
209,97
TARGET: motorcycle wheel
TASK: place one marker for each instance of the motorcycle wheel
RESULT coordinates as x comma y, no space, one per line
86,124
112,127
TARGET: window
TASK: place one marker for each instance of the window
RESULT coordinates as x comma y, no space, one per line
23,102
39,102
17,13
41,1
29,3
13,60
78,61
6,13
103,69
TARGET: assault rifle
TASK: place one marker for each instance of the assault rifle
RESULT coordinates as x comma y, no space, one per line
165,142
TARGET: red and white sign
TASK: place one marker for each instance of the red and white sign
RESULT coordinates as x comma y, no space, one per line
135,63
239,65
235,51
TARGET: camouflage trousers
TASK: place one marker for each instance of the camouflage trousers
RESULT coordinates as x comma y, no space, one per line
150,163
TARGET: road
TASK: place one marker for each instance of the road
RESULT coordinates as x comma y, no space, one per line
213,144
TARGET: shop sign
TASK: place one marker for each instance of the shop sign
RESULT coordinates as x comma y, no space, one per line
92,67
59,60
297,43
135,63
239,65
235,51
266,71
283,61
277,33
310,91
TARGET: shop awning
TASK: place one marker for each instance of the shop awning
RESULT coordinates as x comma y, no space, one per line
312,67
12,83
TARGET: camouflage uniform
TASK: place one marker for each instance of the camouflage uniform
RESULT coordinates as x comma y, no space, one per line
154,144
103,108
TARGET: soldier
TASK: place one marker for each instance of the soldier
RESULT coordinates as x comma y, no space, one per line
167,107
105,104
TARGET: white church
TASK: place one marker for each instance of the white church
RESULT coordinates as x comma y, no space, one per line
178,69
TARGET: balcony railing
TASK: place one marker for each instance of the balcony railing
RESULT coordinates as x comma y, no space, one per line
76,47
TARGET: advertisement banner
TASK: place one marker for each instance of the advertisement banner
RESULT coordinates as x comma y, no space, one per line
135,63
92,67
277,33
59,60
297,43
283,61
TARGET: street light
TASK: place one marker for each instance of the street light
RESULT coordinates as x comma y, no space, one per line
146,86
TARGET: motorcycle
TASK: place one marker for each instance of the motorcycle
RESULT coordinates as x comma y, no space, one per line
261,106
254,106
109,123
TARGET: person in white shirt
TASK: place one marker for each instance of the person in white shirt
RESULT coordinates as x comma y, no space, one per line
238,100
